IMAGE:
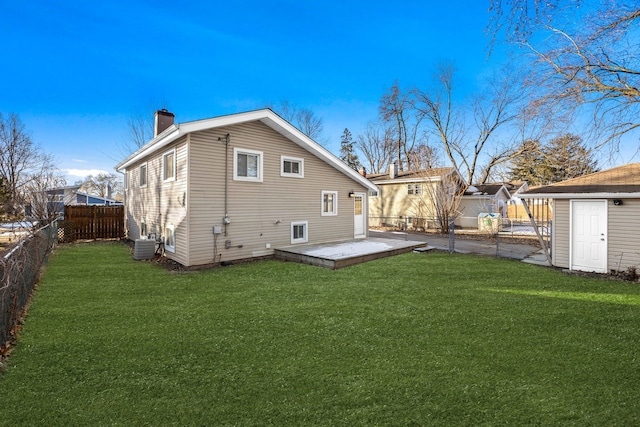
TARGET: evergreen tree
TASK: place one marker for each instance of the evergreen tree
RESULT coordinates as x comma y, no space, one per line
347,153
563,158
567,158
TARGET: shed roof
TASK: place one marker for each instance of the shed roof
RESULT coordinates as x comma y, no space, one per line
621,181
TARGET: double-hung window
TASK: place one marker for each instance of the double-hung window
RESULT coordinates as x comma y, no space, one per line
291,167
247,165
414,189
143,175
169,166
329,203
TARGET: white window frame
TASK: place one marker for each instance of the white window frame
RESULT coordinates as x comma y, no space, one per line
170,238
290,159
303,239
166,178
333,212
259,164
414,189
143,168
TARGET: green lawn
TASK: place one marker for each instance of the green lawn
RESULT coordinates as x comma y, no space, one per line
417,339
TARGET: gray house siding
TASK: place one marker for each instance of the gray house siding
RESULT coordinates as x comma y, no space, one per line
560,233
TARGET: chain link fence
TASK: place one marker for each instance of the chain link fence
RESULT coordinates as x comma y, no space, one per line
19,272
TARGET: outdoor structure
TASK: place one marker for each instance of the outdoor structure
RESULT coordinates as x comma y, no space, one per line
237,187
482,199
408,199
595,221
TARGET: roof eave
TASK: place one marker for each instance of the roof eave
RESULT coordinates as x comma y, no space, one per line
580,196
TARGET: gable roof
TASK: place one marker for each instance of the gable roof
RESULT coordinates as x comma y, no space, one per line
265,116
433,174
621,181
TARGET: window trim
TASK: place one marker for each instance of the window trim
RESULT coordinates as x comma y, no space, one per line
335,203
305,239
144,167
164,166
170,230
291,159
259,154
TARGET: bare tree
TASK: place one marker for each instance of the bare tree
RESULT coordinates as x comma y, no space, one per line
377,146
103,185
438,199
397,112
472,148
19,158
140,127
41,180
585,58
302,118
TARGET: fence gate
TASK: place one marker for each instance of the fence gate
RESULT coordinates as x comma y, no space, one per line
92,222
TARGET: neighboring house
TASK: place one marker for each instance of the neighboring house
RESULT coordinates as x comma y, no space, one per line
482,199
58,198
237,186
406,199
595,221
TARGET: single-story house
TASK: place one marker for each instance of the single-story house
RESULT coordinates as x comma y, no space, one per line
595,221
482,199
406,198
238,186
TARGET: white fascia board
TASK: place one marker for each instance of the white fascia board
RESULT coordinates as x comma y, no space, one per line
409,180
580,196
165,138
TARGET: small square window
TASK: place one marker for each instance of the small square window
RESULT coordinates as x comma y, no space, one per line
329,203
247,165
299,232
292,167
143,175
169,166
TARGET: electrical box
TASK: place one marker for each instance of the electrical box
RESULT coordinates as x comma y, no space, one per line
226,220
217,229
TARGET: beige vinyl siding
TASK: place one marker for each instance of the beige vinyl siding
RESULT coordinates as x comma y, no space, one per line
260,212
623,228
160,203
393,202
560,233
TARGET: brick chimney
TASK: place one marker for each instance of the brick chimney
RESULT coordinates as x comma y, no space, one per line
393,170
163,119
362,171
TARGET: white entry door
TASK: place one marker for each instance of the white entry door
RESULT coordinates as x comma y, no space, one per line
589,235
359,219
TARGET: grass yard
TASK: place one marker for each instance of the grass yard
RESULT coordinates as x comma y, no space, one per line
417,339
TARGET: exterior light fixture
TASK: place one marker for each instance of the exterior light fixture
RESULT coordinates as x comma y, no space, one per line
351,194
617,202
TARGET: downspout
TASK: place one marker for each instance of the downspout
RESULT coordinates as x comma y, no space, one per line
226,220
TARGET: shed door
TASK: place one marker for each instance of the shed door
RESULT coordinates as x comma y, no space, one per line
589,235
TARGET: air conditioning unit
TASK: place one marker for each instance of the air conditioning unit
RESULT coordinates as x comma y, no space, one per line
144,249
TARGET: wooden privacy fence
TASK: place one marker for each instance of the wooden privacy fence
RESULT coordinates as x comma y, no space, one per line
92,222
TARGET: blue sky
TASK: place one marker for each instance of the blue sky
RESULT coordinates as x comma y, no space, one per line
75,71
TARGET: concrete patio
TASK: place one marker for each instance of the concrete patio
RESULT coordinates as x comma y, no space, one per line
342,254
